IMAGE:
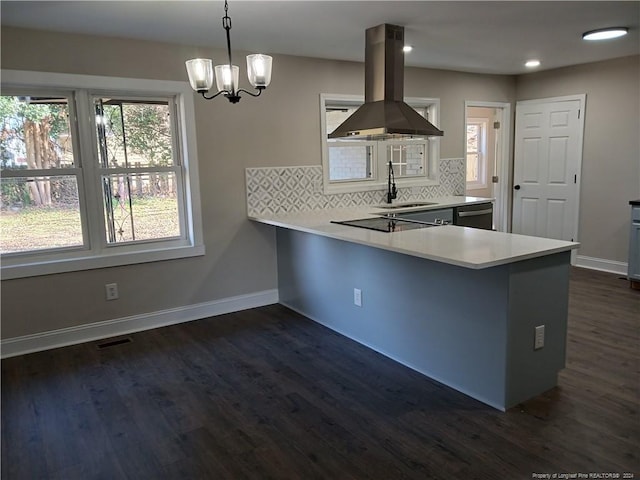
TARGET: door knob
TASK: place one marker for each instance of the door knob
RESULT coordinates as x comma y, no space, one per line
517,187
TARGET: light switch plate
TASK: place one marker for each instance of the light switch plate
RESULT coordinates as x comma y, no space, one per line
111,291
357,297
538,343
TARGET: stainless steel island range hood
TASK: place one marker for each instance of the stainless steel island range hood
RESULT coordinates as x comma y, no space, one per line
384,113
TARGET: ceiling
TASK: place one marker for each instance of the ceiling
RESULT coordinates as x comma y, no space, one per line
494,37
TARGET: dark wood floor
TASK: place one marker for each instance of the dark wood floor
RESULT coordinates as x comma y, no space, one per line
267,393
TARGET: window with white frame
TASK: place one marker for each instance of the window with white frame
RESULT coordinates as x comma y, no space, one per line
349,160
477,152
358,165
96,171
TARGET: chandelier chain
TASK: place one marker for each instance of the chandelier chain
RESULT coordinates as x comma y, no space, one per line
226,24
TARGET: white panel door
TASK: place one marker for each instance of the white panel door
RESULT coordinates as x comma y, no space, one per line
547,160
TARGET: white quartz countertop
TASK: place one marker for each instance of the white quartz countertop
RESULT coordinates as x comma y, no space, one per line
461,246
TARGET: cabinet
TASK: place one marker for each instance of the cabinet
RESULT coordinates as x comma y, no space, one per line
634,245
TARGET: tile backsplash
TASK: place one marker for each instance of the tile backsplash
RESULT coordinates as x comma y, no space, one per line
297,189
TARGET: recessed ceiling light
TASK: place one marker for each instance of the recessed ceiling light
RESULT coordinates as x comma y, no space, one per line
532,63
407,48
605,33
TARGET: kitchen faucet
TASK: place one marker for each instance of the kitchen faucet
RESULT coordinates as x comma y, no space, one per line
392,191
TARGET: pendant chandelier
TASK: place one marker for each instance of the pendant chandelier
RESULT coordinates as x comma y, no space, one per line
201,71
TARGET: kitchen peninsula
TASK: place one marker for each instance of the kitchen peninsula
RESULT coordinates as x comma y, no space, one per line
458,304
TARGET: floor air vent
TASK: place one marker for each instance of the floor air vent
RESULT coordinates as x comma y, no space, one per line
113,343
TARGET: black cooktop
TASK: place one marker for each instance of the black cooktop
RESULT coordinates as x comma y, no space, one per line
383,224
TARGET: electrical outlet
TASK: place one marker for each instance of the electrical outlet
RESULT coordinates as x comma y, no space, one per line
357,297
538,342
111,291
317,186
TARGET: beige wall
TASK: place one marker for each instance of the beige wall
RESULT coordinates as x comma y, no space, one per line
280,128
611,154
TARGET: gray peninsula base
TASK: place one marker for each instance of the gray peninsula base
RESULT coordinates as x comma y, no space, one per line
470,329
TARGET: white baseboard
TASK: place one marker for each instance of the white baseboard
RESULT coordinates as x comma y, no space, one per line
601,264
12,347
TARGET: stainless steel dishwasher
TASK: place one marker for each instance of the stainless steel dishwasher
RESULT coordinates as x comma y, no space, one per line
479,215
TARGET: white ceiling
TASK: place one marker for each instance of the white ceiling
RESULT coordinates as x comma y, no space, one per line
494,37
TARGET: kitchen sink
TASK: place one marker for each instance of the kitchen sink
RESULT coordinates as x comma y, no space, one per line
407,205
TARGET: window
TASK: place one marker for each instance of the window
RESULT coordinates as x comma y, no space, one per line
39,184
408,157
140,174
358,165
477,152
95,172
349,160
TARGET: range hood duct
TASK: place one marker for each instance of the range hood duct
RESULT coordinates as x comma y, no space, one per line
384,114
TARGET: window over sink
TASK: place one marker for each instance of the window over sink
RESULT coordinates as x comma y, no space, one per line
360,165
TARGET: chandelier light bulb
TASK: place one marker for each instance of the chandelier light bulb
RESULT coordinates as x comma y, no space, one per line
227,78
259,70
200,72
